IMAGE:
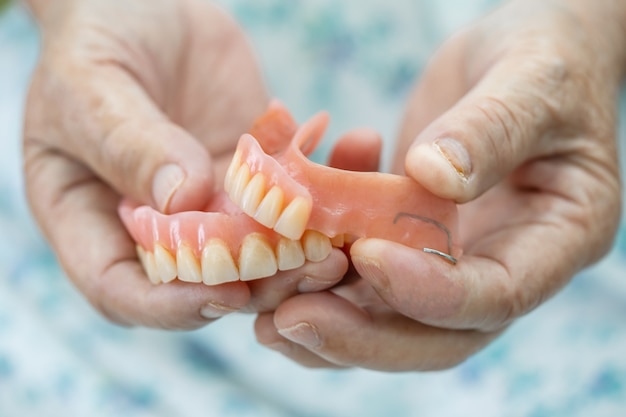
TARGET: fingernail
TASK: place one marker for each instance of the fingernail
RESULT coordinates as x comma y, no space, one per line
167,181
371,271
456,155
303,334
214,310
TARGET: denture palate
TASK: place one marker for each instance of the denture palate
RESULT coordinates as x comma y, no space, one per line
285,191
220,243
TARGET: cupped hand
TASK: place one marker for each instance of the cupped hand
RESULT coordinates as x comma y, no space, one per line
144,100
514,119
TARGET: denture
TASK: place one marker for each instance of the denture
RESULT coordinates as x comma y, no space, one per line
285,191
278,210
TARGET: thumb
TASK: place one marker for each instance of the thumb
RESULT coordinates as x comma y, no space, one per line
491,131
110,123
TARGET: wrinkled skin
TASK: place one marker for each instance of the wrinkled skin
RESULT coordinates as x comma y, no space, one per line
121,90
514,118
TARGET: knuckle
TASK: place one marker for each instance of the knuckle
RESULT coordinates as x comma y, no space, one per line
505,126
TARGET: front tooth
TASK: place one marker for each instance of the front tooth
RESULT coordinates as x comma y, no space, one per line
165,263
241,179
290,254
316,245
218,265
269,209
256,258
232,170
147,260
253,194
293,221
187,265
151,269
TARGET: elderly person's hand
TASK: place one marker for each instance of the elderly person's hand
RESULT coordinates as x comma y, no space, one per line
143,99
514,119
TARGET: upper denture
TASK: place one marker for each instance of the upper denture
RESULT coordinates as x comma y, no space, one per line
335,202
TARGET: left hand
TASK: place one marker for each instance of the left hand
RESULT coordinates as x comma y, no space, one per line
144,100
514,119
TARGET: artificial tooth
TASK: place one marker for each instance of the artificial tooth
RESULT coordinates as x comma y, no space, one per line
338,241
165,263
187,265
294,218
218,265
270,207
151,269
232,169
256,258
141,254
316,245
147,260
241,179
253,194
289,254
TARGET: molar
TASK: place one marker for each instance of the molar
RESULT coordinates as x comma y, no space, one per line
316,246
187,265
218,265
165,263
290,254
256,258
294,218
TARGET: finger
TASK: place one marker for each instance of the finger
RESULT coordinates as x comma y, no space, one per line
76,210
502,122
108,120
268,336
346,335
499,280
267,294
357,150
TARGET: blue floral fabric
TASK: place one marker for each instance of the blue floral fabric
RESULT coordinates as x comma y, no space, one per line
357,59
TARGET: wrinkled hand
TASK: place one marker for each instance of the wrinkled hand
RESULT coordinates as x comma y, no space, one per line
515,120
144,100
